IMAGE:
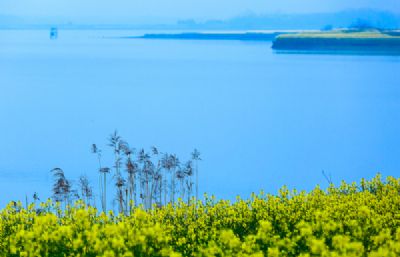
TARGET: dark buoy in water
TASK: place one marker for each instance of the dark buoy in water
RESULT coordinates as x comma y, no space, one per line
53,33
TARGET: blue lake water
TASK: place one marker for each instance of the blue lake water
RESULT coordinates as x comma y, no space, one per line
260,119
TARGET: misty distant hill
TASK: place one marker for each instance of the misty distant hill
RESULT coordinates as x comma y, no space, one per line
372,18
348,18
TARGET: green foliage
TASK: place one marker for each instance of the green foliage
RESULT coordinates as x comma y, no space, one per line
352,220
342,34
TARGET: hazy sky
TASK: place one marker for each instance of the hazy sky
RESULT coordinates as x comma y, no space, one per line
108,10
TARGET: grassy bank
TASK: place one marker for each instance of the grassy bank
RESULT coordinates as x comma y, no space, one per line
352,220
340,40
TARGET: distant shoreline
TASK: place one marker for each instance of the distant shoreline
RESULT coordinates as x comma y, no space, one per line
246,36
311,41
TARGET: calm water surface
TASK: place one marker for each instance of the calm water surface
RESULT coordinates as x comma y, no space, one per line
261,119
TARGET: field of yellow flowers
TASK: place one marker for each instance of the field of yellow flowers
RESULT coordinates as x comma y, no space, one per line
349,220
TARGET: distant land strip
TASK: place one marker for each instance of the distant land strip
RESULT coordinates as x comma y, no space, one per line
248,36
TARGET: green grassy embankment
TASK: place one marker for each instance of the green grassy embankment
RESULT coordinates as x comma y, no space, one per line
340,40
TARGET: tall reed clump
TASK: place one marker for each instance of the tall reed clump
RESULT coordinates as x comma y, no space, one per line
64,191
149,178
140,177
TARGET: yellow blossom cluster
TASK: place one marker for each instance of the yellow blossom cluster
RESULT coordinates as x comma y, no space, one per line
351,220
